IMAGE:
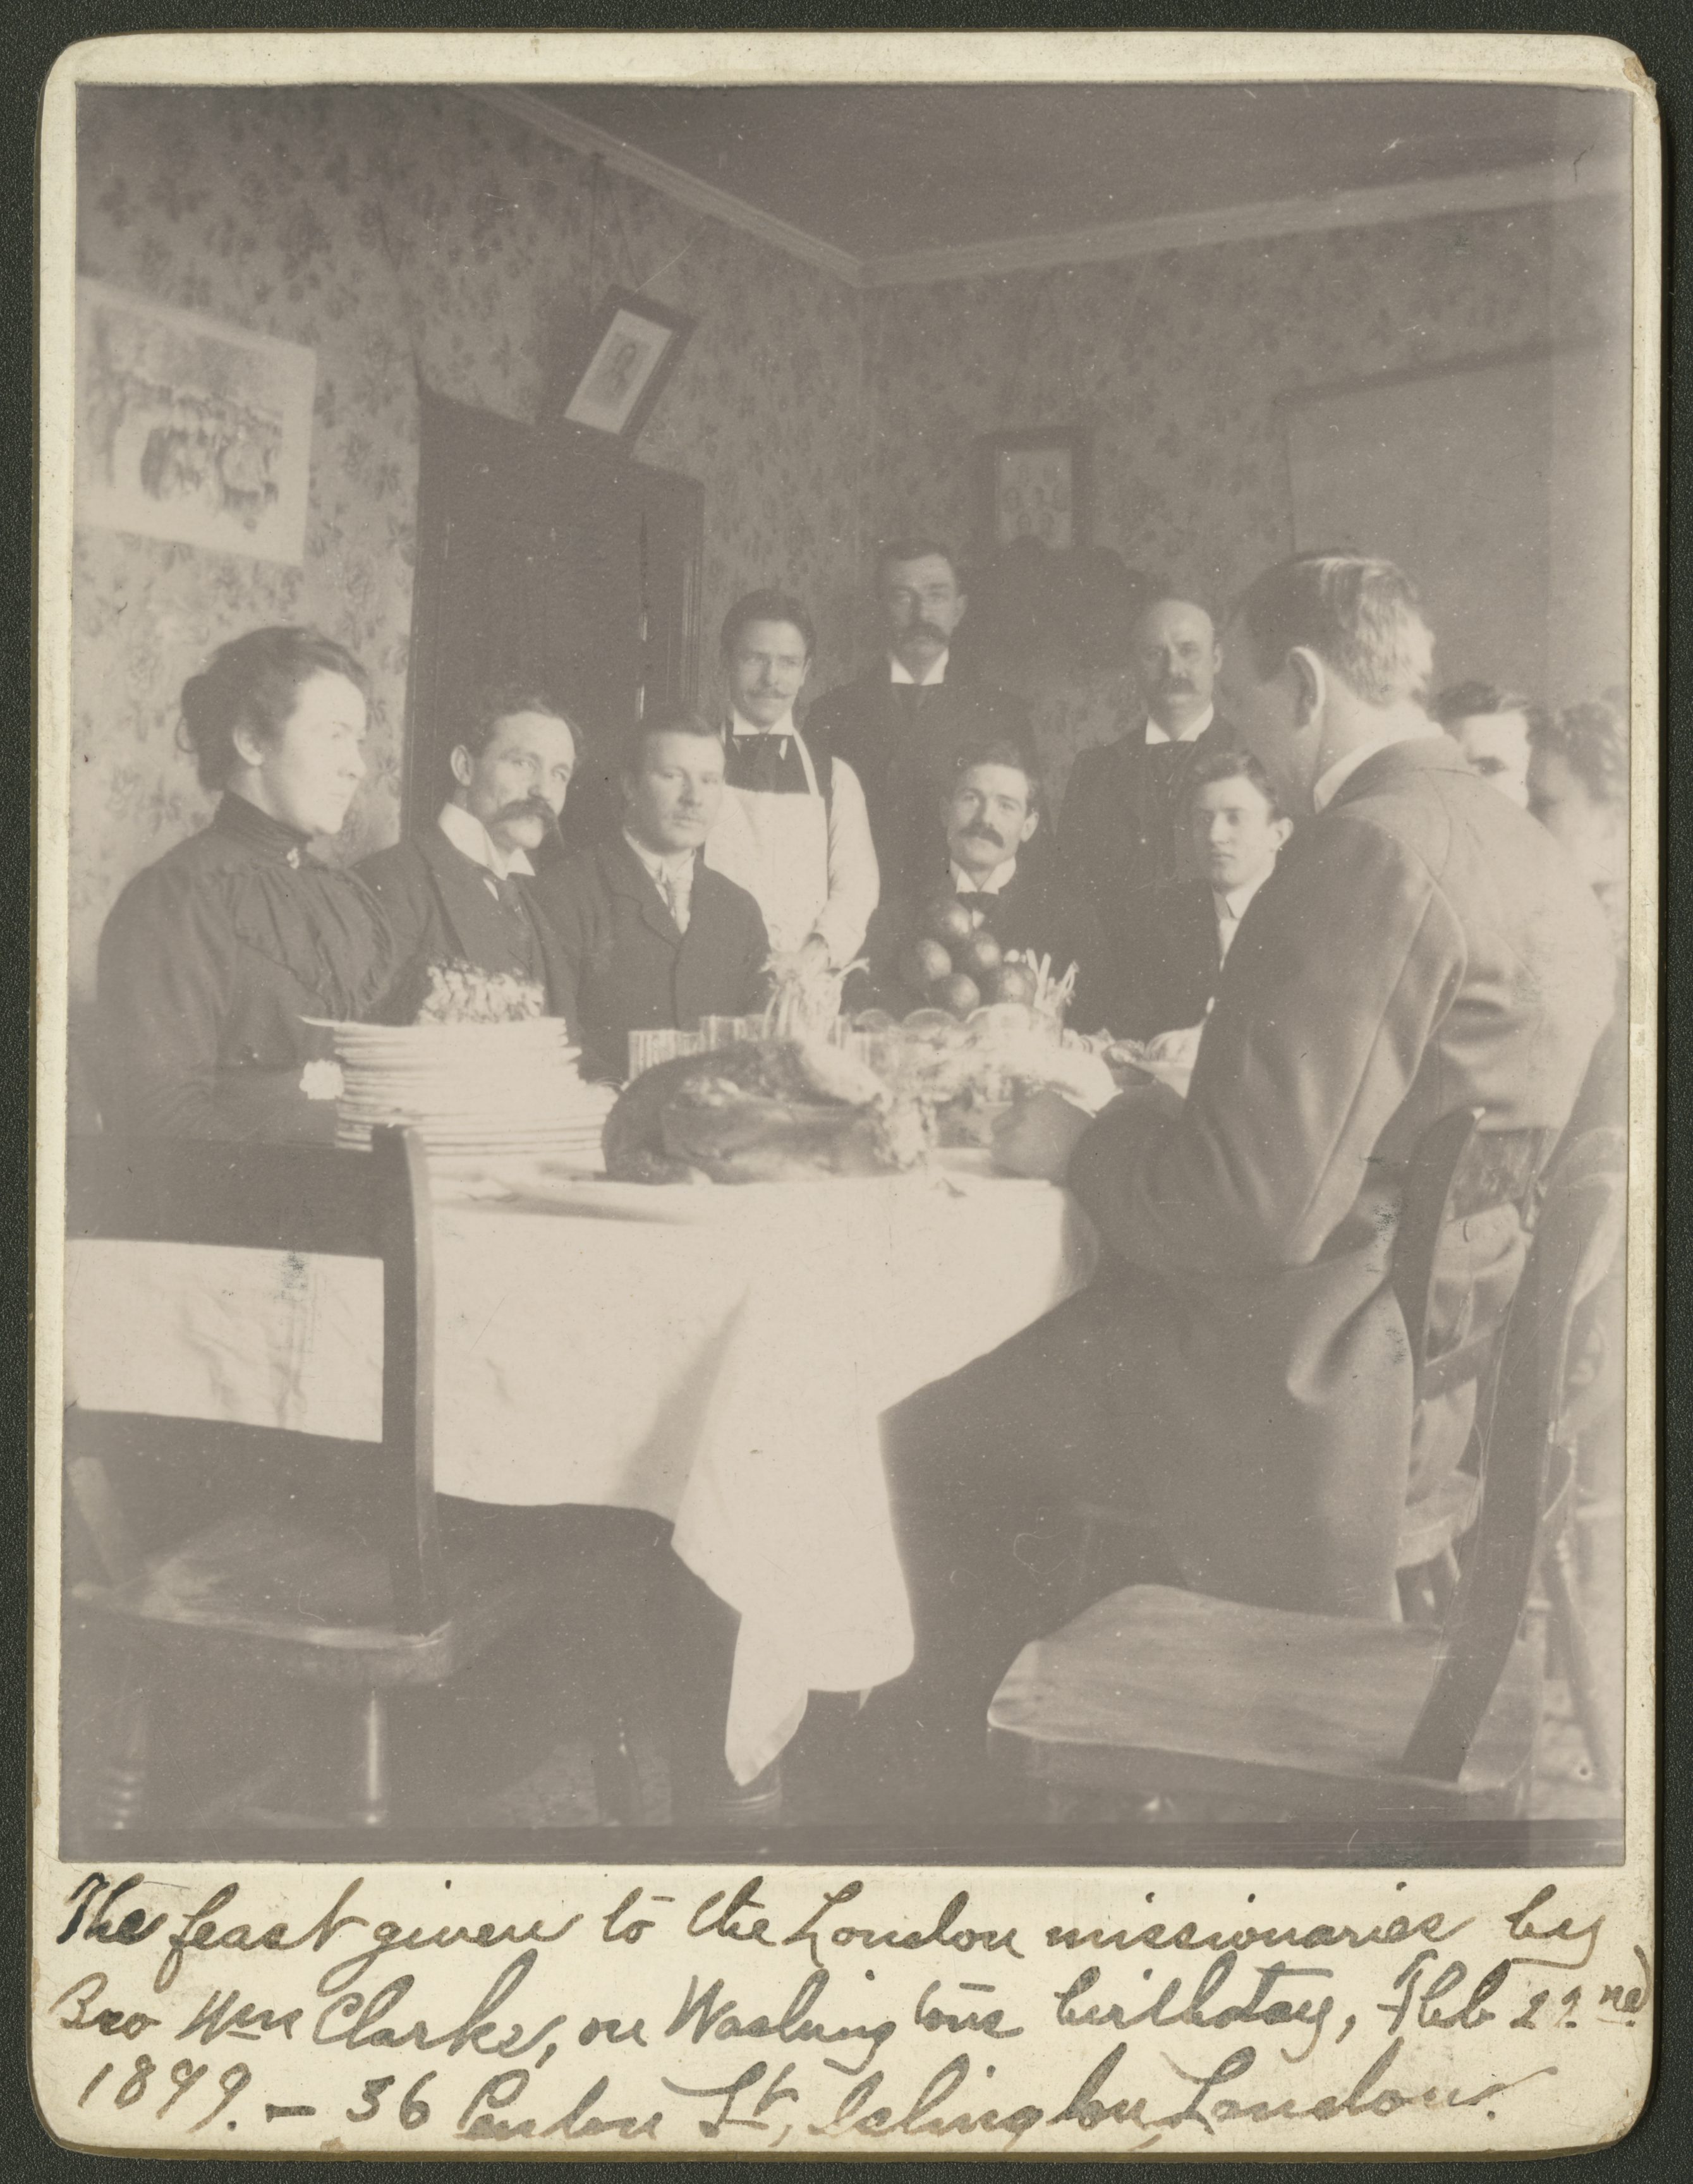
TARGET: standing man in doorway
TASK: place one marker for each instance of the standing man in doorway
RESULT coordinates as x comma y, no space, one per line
902,725
1125,807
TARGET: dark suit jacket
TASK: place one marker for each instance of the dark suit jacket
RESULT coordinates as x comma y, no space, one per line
905,765
439,902
626,968
1032,912
1424,946
1165,964
1123,810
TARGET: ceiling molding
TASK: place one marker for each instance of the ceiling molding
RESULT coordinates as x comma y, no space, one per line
1498,190
672,182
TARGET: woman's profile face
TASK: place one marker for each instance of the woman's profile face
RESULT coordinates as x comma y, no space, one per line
307,774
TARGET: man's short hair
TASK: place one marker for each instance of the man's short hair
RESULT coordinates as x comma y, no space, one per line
1592,739
1159,594
677,721
1471,701
1000,751
495,702
767,606
913,549
1361,615
1232,763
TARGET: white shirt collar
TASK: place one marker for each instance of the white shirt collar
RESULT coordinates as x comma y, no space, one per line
1328,784
1231,902
659,865
900,673
1191,733
784,726
467,833
996,883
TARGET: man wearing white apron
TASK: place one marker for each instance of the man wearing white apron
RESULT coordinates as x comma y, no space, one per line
793,829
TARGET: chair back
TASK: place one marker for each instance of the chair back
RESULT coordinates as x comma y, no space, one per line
312,1201
1429,1174
1520,1421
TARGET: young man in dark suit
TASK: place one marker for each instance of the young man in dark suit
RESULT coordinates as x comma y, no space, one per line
1241,1380
901,726
989,817
1125,802
1176,938
650,936
457,892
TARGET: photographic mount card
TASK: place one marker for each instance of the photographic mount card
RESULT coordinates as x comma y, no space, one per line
614,1878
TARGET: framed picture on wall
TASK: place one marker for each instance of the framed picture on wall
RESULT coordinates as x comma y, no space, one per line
633,347
1035,485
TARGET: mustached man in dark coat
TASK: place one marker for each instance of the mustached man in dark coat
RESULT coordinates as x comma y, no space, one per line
1126,802
650,936
1242,1379
459,891
989,818
901,727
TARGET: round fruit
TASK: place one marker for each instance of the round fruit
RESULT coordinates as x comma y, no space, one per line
948,919
924,961
980,956
872,1020
1016,982
958,993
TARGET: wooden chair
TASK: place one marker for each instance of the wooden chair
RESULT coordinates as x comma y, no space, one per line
1157,1691
330,1569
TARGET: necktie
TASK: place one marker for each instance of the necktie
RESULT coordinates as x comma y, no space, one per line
910,697
676,900
770,764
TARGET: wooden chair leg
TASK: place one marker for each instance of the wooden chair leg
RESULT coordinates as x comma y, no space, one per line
122,1796
373,1763
1558,1574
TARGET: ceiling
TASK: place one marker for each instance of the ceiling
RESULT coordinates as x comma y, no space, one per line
881,172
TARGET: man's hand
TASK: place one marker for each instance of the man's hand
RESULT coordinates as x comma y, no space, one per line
1038,1136
811,954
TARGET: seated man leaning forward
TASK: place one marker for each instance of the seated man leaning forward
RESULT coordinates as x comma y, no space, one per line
650,936
990,815
1239,1378
457,892
1176,938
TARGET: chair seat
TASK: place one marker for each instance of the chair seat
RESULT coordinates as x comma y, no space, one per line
1159,1689
281,1595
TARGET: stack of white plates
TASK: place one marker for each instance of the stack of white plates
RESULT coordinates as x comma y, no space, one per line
470,1088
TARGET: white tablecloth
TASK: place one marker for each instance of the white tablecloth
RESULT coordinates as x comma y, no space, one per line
716,1355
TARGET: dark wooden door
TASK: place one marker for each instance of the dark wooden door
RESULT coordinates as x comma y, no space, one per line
546,553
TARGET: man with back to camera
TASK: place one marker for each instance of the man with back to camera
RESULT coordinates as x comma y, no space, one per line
457,892
1493,728
792,829
901,726
989,816
649,936
1166,972
1124,802
1240,1380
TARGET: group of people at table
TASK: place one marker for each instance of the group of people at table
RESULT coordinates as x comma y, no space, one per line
1358,912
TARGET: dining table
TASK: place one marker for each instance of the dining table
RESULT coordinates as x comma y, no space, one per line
719,1356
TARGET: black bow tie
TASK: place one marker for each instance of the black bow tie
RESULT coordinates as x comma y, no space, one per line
771,764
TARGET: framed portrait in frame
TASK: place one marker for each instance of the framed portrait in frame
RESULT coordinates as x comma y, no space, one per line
1035,485
634,347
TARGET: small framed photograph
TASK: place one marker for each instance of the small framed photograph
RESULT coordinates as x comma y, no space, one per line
635,343
1035,485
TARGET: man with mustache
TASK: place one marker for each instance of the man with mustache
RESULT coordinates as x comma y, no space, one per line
989,816
1124,805
457,892
901,727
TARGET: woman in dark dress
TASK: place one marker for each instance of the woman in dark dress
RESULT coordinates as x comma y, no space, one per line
212,958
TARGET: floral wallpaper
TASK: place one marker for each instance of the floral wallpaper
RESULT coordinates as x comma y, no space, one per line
1176,362
415,234
402,235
